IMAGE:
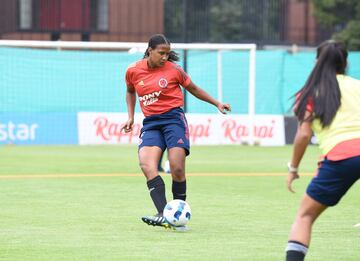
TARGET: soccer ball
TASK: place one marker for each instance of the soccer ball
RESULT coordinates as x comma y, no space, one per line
177,213
167,167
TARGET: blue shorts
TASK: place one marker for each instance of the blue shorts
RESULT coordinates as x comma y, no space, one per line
167,130
333,180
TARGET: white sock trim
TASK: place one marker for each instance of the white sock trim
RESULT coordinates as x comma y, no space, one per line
296,247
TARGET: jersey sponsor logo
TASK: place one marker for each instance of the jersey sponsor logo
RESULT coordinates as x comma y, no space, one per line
150,98
163,83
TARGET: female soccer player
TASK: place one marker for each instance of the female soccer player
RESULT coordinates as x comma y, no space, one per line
327,105
156,80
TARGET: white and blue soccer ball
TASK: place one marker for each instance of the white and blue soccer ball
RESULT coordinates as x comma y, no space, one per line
177,213
167,167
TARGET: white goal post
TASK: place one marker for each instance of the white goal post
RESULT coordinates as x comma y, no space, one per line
136,46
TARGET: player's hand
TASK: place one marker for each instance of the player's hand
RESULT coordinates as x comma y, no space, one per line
223,107
289,180
128,126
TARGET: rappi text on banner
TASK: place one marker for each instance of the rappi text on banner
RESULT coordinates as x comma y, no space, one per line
204,129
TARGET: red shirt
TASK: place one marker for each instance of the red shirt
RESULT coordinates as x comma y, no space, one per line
344,150
158,89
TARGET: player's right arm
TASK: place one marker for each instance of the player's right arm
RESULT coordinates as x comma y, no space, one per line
130,101
301,141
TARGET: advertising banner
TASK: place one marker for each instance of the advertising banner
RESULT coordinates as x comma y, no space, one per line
38,128
205,129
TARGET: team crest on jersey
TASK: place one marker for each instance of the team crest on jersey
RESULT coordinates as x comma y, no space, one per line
163,83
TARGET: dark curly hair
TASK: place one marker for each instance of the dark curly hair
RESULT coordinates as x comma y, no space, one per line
158,39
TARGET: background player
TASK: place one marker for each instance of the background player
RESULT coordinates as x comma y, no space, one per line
328,104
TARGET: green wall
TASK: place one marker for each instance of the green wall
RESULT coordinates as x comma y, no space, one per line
73,81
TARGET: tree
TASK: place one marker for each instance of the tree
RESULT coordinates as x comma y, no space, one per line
224,20
187,20
246,20
343,16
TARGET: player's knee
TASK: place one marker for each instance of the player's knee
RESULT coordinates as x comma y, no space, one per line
178,172
146,167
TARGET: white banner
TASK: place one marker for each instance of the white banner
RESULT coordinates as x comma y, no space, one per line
205,129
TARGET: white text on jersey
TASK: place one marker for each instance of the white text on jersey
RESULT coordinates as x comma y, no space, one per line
150,98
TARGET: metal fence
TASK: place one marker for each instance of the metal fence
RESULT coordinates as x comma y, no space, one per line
223,21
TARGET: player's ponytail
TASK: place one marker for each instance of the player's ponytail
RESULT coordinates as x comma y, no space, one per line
157,39
322,88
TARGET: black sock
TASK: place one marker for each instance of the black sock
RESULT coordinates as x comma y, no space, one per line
179,190
157,192
295,251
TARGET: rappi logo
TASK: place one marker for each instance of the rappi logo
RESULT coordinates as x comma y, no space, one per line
199,131
235,132
108,130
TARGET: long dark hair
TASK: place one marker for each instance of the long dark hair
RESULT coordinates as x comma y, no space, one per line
322,88
157,39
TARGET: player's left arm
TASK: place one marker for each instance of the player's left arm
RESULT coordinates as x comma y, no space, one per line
203,95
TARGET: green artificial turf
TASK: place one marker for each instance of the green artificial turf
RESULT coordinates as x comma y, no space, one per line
123,159
98,218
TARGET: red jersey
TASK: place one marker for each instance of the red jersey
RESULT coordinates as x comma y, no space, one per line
158,89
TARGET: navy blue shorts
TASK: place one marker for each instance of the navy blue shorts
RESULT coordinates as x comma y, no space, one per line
167,130
333,180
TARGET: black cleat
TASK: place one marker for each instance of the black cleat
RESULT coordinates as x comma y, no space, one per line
156,221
